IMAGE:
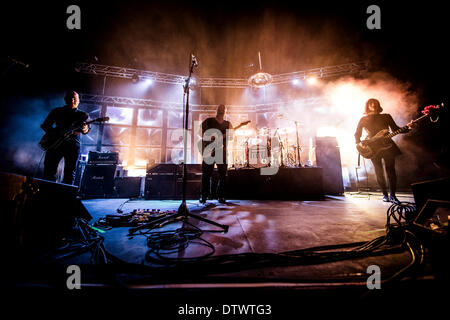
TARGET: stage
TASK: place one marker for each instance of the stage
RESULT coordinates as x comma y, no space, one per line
258,226
192,277
318,109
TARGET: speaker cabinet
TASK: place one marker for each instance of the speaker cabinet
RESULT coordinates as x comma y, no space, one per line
128,187
328,157
437,189
40,212
160,186
98,181
165,181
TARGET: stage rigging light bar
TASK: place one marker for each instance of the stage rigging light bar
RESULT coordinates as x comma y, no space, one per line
128,73
113,100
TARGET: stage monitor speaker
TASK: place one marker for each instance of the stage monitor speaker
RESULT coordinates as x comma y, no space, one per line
40,212
98,181
127,187
329,159
437,189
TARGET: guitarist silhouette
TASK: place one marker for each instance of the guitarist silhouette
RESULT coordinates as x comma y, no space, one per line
374,122
58,122
218,124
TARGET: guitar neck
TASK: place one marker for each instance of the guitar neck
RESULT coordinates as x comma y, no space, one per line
396,132
241,125
402,129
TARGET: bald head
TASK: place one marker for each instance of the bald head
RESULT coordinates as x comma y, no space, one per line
72,99
221,109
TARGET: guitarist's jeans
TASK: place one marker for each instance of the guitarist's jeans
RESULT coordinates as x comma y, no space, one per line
207,171
389,163
70,152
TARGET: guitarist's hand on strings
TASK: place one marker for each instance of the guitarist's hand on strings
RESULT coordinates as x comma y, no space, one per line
411,124
85,129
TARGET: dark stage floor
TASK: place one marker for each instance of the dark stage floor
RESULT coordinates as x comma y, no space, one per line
258,227
267,227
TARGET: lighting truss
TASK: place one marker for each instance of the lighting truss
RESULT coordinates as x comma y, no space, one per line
323,72
128,73
114,100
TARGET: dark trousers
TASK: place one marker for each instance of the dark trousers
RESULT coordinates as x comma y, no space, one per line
207,170
389,163
70,152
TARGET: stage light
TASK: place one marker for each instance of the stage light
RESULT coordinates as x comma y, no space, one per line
311,80
296,82
135,78
193,84
326,132
148,81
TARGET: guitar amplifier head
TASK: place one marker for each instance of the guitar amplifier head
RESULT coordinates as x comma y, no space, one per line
103,157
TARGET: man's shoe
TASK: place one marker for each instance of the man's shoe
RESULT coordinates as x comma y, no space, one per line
386,198
394,199
222,200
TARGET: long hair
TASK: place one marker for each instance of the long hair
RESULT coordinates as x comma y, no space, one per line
378,108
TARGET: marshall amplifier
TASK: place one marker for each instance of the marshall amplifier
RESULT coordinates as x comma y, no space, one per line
98,181
103,158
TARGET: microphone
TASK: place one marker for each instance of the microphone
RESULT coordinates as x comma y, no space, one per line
194,60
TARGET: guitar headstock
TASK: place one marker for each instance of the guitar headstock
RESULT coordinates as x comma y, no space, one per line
432,110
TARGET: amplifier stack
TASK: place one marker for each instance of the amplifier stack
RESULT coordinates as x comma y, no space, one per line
98,176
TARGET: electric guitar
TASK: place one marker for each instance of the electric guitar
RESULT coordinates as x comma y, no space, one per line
206,143
242,124
371,147
54,137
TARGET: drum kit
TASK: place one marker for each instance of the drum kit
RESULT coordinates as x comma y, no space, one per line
265,147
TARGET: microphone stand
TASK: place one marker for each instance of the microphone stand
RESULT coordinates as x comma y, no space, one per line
298,145
183,211
299,164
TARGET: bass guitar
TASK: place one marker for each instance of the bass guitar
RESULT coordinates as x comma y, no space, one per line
371,147
54,137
